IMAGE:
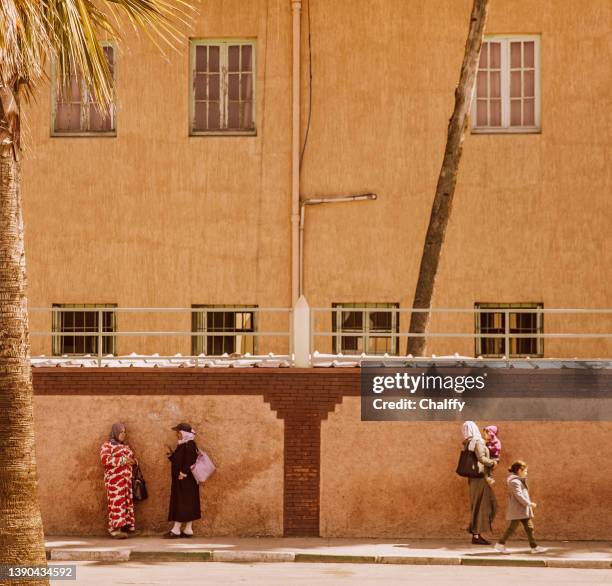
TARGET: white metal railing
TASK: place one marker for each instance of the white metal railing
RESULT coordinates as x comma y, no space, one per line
302,326
507,336
100,333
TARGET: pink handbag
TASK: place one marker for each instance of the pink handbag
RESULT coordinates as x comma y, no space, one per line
203,468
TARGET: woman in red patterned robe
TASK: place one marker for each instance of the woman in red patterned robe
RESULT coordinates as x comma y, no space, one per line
118,458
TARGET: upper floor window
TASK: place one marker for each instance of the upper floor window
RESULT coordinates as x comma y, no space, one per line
222,329
507,90
222,87
83,327
359,327
75,110
508,320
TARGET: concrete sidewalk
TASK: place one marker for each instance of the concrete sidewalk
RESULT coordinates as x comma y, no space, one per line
561,554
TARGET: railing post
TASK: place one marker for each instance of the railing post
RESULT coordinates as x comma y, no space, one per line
366,330
311,339
99,337
301,333
291,341
507,334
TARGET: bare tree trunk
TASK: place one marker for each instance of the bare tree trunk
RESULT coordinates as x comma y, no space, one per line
21,531
445,190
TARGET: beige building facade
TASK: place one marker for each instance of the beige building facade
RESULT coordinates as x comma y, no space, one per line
160,213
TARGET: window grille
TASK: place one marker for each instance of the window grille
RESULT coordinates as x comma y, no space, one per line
80,319
367,324
494,322
228,331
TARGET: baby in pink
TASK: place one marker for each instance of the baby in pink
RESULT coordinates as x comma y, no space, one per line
494,446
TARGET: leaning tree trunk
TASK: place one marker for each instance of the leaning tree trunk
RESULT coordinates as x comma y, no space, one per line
445,190
21,531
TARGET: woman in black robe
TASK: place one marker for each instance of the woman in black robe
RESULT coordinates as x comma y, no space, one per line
184,490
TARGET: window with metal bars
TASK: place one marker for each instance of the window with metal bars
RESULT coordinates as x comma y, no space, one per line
223,329
507,89
494,322
367,324
75,109
222,87
79,319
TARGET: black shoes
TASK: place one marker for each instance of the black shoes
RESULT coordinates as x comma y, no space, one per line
480,540
170,535
182,534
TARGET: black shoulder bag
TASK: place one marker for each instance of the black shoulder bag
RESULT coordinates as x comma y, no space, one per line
139,486
468,464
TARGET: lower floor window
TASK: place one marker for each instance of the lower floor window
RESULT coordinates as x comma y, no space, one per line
365,327
223,329
82,327
509,319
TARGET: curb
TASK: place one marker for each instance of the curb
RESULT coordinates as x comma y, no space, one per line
516,562
89,555
580,564
335,559
170,556
419,560
251,557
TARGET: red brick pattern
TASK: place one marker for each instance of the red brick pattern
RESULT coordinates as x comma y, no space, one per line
302,476
303,406
301,397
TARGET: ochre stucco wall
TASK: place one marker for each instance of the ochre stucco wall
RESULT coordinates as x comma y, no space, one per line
154,217
531,216
388,479
242,435
397,479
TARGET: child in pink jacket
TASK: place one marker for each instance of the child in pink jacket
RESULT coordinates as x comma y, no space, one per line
494,446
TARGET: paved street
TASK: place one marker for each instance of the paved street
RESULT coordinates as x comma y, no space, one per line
296,574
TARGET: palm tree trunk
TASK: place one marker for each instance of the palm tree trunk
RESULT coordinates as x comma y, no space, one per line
21,530
445,190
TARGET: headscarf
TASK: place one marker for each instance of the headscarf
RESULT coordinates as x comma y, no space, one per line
493,444
114,434
186,436
472,433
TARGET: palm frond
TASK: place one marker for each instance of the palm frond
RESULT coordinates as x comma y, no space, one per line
24,41
69,32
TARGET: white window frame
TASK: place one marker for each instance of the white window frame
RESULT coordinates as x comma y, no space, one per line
223,89
505,128
113,106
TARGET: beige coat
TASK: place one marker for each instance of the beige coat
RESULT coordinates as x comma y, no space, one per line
519,503
483,505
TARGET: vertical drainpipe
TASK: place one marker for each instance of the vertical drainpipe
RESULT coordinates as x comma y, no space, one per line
296,8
